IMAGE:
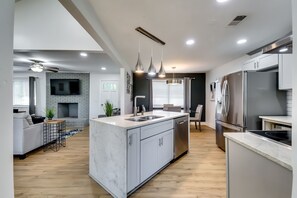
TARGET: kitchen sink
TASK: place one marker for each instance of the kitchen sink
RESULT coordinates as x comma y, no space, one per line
144,118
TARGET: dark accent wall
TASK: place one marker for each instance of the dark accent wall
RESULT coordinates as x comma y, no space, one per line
142,86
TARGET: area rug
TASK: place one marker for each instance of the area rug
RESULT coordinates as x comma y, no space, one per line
70,133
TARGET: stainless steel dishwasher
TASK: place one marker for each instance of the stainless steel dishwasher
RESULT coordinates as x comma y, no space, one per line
181,136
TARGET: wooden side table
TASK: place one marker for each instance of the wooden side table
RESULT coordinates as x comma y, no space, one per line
52,134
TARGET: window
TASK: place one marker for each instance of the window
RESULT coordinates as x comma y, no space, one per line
21,91
167,94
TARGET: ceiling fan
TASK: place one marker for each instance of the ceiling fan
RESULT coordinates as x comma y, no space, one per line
37,66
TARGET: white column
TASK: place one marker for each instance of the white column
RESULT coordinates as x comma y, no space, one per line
294,103
6,131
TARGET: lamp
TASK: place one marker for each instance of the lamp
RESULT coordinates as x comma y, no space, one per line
161,72
37,67
151,70
173,81
139,67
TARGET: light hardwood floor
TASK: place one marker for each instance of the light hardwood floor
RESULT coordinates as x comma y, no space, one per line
63,174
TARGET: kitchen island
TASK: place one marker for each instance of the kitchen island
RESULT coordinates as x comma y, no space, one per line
125,154
257,167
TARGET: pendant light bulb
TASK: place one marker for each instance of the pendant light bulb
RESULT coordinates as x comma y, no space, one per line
139,66
151,70
162,73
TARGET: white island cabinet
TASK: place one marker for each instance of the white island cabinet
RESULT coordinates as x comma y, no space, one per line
125,154
257,167
133,158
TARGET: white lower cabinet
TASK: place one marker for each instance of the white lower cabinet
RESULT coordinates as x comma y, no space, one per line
165,152
133,178
156,152
149,148
249,174
149,160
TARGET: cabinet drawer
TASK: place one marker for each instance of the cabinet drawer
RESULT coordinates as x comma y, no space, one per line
154,129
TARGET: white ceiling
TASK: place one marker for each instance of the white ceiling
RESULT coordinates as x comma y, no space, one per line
66,61
173,21
44,30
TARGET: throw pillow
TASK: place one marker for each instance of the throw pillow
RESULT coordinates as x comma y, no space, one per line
29,119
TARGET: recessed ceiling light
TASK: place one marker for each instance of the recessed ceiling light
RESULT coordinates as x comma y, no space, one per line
103,68
284,49
190,42
241,41
84,54
221,1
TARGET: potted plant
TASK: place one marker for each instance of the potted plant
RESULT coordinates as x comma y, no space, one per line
50,113
108,108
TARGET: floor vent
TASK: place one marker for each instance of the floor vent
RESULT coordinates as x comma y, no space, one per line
237,20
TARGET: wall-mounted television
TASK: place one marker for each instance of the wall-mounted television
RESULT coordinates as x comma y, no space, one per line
64,86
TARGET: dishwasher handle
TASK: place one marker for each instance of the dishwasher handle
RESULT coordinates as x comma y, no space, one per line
182,122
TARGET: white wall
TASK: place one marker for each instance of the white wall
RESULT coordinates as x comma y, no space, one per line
126,103
6,134
294,103
95,87
213,75
40,89
38,26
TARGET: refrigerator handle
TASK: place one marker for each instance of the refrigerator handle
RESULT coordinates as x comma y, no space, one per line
224,98
227,103
229,126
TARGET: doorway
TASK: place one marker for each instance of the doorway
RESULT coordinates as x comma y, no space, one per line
109,91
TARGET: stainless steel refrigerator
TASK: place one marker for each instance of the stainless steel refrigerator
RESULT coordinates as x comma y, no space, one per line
242,97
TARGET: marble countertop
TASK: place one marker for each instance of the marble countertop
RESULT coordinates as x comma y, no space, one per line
287,120
121,121
279,153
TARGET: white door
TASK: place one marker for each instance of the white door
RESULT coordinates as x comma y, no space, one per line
165,153
149,160
133,175
109,91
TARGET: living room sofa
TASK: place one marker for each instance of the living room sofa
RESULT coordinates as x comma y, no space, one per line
26,136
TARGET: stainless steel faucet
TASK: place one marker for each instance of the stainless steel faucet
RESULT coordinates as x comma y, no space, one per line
135,106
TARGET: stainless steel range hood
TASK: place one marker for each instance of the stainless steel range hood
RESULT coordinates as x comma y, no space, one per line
281,46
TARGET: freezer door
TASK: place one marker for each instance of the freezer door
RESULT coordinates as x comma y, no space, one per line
262,97
229,106
221,128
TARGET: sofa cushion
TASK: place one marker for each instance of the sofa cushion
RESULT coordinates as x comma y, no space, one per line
29,120
25,123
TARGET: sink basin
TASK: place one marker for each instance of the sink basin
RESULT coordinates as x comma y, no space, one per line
136,119
150,117
144,118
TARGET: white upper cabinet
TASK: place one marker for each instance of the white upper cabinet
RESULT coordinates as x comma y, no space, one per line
286,62
250,65
262,62
267,61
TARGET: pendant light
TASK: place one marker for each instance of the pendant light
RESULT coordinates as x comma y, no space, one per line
173,81
162,73
139,66
151,70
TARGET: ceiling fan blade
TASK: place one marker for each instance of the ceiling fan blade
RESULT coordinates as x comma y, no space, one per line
51,69
36,61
